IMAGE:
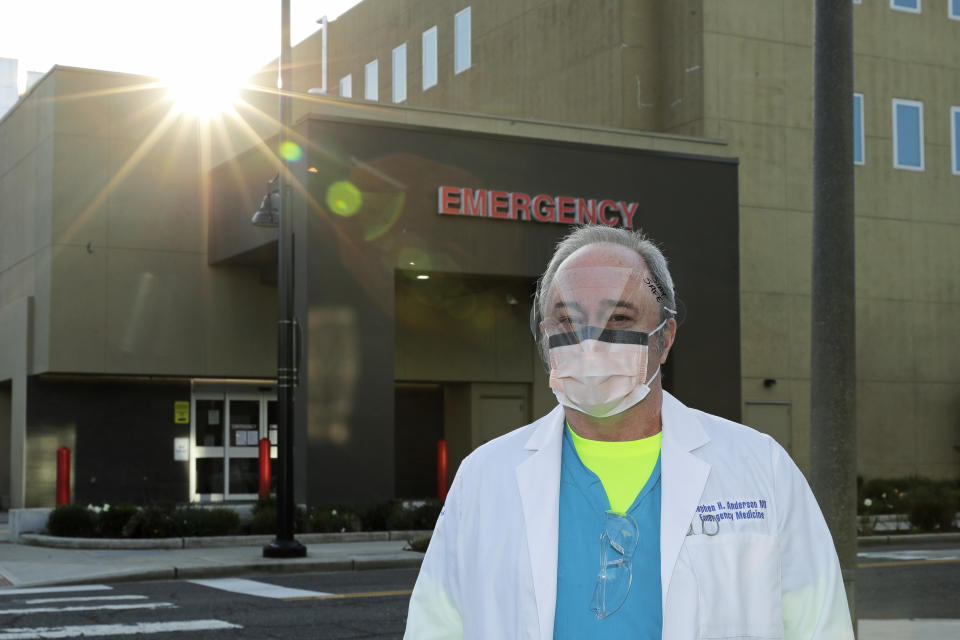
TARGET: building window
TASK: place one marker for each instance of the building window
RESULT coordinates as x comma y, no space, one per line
400,73
955,139
346,86
858,129
371,81
430,57
908,135
461,41
953,9
910,6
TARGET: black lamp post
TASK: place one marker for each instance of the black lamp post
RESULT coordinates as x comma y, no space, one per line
284,546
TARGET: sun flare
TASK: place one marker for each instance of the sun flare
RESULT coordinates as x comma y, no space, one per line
202,95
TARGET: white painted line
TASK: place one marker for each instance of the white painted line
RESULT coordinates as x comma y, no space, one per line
258,589
90,630
82,599
103,607
919,554
29,591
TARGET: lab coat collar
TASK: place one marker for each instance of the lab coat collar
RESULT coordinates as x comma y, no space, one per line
683,476
538,479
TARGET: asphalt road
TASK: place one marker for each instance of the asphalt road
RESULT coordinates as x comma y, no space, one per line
893,582
914,581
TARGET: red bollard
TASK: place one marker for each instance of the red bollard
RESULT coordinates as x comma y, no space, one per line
442,470
264,468
63,476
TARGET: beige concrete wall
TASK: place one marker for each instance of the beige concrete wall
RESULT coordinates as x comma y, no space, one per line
758,96
131,291
563,57
16,338
26,175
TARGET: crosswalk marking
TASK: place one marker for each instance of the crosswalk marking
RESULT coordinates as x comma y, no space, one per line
28,591
103,607
90,630
82,599
258,589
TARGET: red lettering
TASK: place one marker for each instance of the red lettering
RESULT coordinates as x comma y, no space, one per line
602,208
499,204
566,210
474,202
448,200
520,206
628,209
586,211
542,208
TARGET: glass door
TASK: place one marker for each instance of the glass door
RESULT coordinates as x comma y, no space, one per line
227,428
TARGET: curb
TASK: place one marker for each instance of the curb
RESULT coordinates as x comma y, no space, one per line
58,542
907,538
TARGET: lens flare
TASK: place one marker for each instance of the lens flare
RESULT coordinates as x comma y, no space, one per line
290,151
414,257
343,198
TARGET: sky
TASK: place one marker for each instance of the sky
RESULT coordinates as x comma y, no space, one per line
171,39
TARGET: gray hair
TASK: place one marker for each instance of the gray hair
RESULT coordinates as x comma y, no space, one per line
581,237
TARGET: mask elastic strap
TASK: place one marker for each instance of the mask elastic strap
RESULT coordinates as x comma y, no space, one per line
655,374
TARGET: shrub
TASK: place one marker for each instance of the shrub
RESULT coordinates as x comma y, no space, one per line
265,517
334,519
113,518
72,521
374,518
883,495
154,521
420,543
408,515
197,521
932,507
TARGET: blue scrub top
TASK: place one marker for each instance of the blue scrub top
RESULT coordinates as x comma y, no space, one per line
583,507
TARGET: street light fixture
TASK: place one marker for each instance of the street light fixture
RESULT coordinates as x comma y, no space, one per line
268,215
284,546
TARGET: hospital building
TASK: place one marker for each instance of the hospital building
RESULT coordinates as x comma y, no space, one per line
441,149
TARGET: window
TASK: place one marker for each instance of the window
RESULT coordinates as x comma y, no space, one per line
400,73
858,129
346,86
955,139
953,9
430,57
910,6
371,80
461,41
907,135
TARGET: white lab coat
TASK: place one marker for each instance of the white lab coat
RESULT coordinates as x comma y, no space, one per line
490,572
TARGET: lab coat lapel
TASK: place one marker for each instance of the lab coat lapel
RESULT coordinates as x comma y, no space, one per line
538,478
683,476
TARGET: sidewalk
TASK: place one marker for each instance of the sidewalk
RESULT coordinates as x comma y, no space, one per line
32,566
23,565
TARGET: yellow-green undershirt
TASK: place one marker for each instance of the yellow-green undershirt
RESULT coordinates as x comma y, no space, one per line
623,467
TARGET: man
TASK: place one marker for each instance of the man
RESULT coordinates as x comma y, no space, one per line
623,513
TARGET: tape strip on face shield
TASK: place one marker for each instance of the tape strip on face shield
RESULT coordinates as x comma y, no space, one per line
599,360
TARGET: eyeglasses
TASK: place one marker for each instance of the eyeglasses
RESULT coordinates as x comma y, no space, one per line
618,543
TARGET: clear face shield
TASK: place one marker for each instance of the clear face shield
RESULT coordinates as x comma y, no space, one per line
598,327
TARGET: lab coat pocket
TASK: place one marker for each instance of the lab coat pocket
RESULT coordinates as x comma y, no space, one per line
738,582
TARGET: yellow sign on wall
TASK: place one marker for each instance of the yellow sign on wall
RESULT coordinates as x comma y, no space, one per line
181,412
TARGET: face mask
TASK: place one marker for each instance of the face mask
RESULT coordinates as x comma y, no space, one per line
601,372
